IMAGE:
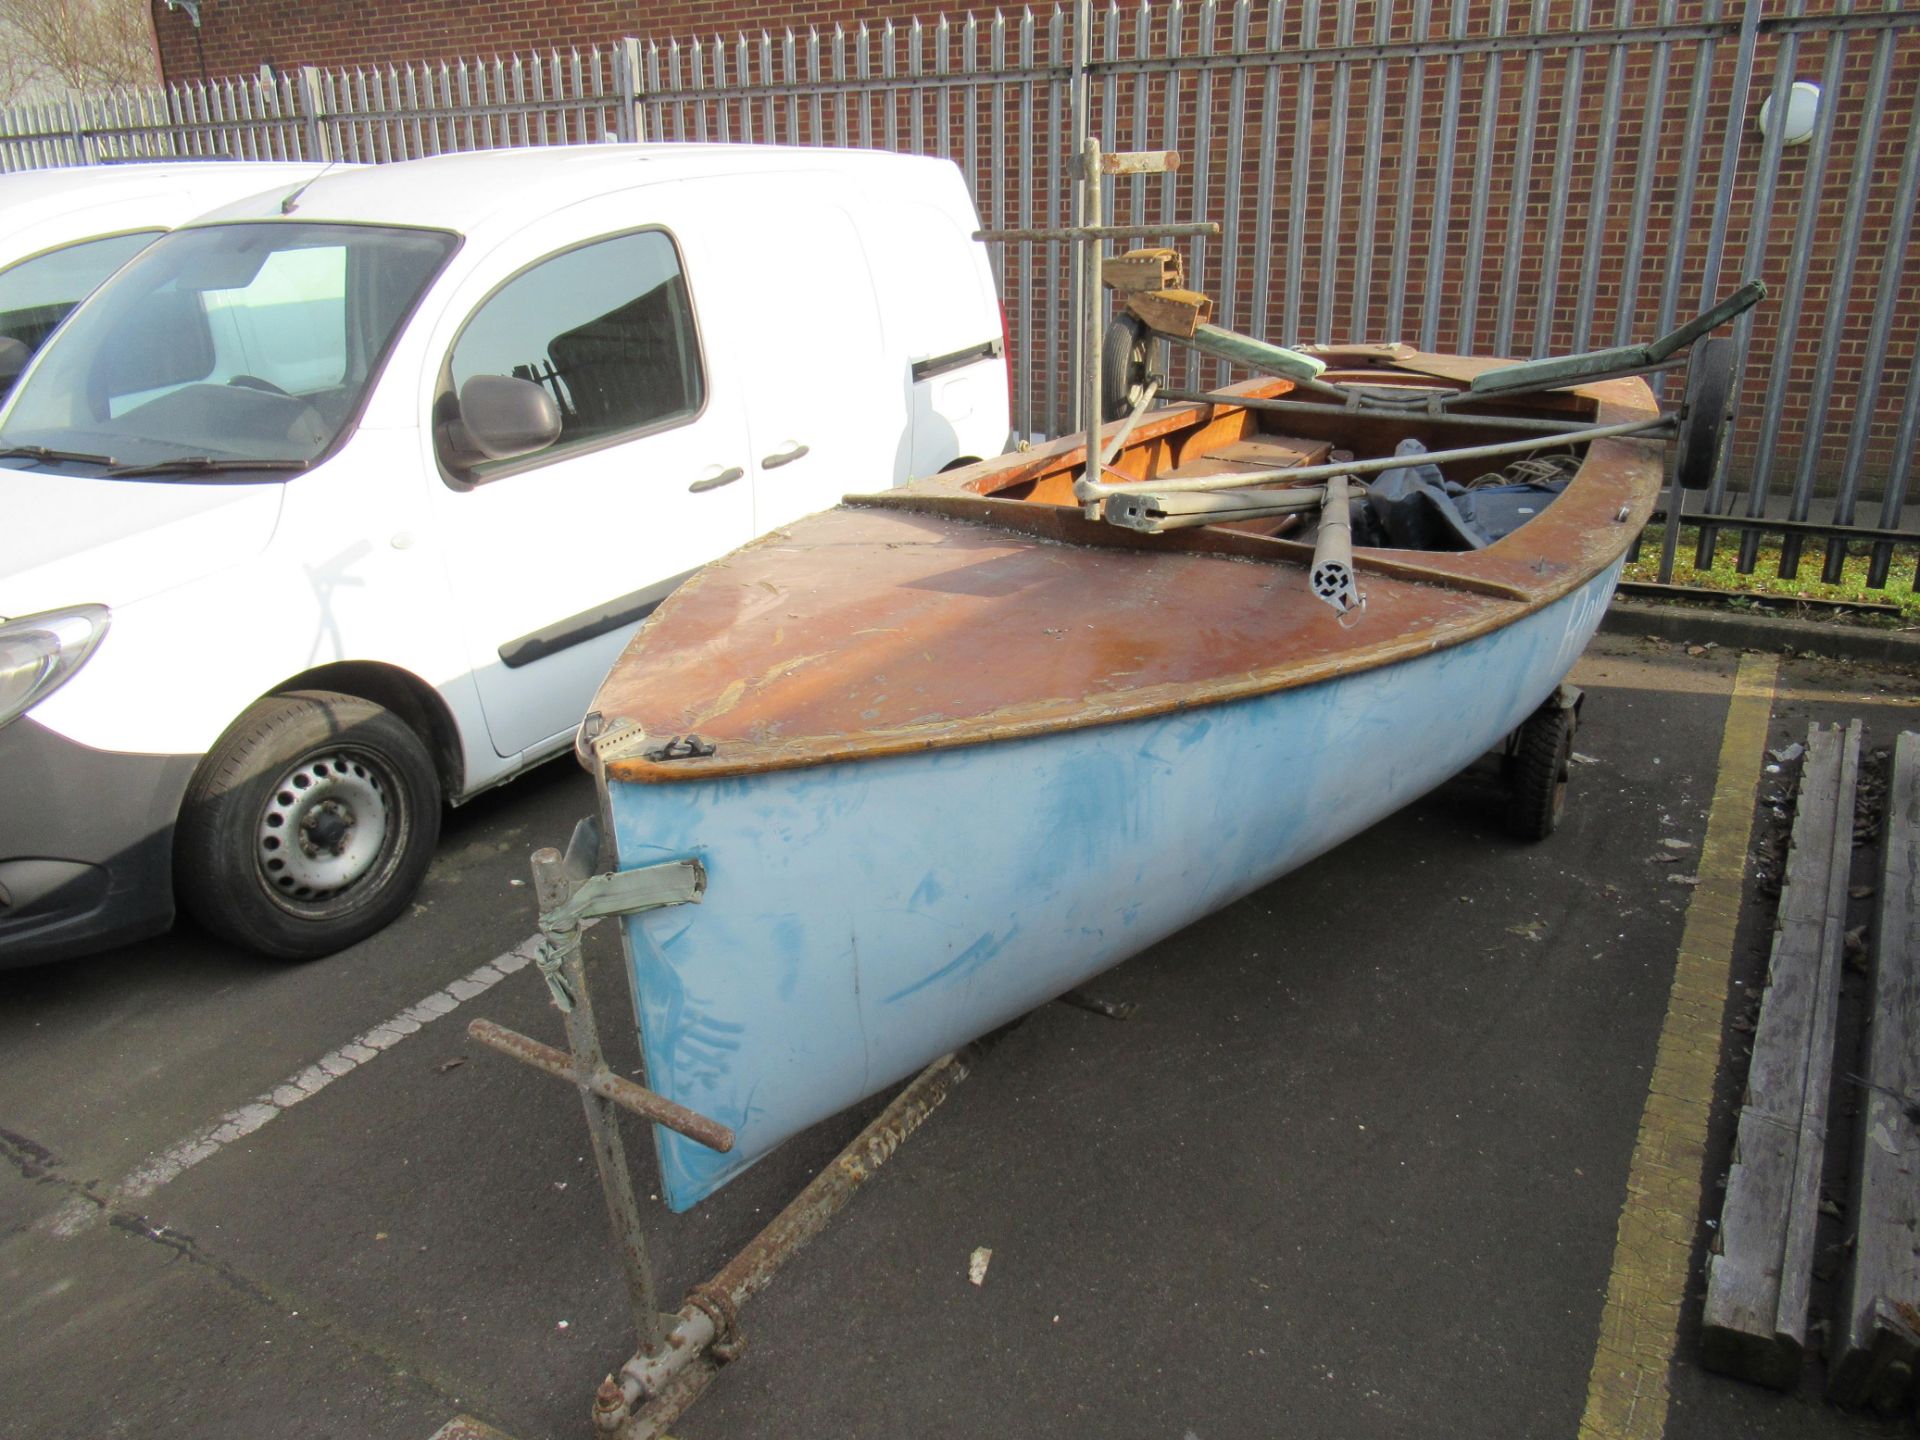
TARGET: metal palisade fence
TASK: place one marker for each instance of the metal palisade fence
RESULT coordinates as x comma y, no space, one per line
1503,176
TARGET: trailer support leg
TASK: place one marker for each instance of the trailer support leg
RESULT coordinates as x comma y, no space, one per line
678,1354
656,1386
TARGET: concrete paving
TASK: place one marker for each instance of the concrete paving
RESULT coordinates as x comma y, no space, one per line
1354,1169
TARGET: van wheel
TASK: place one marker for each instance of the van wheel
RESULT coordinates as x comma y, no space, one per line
308,826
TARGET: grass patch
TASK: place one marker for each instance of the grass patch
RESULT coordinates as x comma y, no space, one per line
1724,573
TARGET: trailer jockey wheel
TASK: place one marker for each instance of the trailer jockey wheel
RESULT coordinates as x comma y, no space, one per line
1542,756
1125,361
1709,406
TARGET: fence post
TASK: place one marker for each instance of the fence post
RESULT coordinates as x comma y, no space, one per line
632,123
1736,123
84,152
313,110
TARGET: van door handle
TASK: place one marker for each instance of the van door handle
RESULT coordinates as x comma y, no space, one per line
784,457
714,482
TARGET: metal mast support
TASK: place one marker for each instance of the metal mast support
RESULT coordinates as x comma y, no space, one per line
1089,253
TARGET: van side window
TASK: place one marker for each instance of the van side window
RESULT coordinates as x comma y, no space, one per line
37,293
607,330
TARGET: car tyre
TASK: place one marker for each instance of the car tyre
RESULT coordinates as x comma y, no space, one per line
308,826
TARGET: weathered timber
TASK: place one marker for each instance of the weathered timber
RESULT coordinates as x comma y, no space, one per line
1140,162
1624,359
1172,312
1255,354
1761,1264
1876,1335
1153,269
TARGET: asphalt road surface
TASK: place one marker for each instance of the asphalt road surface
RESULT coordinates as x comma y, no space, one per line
1356,1168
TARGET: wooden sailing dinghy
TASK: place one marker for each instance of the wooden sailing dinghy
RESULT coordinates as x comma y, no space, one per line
947,751
902,771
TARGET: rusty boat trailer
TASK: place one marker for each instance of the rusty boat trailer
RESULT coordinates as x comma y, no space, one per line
677,1355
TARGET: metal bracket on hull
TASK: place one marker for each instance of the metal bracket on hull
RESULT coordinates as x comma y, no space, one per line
678,1354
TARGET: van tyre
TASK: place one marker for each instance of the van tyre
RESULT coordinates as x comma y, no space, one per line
308,826
1543,756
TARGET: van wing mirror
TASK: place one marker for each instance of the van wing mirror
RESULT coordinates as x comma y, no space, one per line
14,355
498,417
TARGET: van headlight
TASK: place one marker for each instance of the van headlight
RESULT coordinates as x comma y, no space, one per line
39,654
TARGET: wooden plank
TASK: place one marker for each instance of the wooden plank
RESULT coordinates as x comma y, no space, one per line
1761,1262
1172,312
1139,162
1563,369
1267,452
1355,354
1256,354
1876,1341
1274,450
1154,269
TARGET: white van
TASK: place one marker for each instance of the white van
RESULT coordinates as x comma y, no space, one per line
338,503
63,231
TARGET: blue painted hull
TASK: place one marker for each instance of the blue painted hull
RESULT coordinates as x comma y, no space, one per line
862,919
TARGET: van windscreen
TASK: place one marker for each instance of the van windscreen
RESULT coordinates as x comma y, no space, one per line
227,346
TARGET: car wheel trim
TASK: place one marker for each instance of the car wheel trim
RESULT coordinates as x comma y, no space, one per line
327,825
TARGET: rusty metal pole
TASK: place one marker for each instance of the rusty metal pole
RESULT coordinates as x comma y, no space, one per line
1087,254
554,887
634,1099
654,1387
1079,123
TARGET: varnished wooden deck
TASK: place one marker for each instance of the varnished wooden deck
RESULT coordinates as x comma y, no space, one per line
947,613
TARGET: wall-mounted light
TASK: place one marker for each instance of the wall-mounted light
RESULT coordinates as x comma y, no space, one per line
192,7
1803,110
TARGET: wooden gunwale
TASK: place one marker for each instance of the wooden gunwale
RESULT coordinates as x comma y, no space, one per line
1457,596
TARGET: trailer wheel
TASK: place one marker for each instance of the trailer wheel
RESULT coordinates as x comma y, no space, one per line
1543,755
1126,359
308,826
1709,406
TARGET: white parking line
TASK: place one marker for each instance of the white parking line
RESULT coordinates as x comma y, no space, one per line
79,1213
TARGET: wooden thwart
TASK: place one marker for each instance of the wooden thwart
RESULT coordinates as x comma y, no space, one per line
1761,1264
1876,1334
